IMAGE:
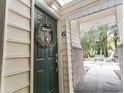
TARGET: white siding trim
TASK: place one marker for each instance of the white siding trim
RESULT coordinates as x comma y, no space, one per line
4,50
32,48
60,74
60,57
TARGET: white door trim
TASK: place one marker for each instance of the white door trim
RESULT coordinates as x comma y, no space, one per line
60,73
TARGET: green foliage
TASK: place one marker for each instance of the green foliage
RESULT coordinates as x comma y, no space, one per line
94,41
88,42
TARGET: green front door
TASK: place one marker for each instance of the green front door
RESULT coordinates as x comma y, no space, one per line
45,53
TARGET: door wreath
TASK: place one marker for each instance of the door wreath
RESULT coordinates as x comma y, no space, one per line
45,36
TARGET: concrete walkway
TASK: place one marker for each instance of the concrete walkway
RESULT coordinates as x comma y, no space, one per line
100,78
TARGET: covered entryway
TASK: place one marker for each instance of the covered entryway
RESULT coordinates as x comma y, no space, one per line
96,73
40,42
45,53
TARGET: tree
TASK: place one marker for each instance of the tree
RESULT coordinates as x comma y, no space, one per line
96,39
88,42
103,39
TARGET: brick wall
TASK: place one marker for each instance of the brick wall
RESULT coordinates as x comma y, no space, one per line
78,65
120,59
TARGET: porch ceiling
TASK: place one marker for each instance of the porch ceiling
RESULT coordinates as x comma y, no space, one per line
63,2
59,2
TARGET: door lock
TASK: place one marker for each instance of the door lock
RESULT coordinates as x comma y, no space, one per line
56,54
56,69
56,60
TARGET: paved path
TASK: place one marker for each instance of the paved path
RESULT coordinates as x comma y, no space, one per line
100,79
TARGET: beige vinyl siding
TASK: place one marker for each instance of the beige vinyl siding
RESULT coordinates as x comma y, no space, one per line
16,65
20,8
99,15
18,20
69,54
75,31
16,82
18,35
77,56
79,5
26,2
64,58
17,51
119,16
24,90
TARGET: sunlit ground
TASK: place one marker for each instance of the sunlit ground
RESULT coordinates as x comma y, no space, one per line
100,78
102,65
